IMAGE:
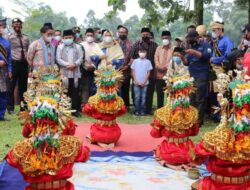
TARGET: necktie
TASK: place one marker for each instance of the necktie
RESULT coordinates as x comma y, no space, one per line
21,43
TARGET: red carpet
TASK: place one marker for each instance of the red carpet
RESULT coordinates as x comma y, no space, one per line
134,138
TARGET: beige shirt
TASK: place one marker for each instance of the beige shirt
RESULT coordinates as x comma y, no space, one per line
16,48
162,58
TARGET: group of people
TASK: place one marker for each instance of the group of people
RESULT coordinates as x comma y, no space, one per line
143,62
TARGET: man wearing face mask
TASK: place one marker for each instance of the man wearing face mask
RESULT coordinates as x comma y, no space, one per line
126,46
70,56
5,68
151,48
42,52
78,36
222,46
98,35
198,57
163,55
19,48
93,56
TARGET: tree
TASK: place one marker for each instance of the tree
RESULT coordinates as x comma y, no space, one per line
244,4
37,14
162,12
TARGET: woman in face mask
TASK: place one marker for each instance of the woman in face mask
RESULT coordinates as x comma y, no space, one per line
42,52
112,50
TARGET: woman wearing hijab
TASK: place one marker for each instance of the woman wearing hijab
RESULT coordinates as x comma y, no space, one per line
112,50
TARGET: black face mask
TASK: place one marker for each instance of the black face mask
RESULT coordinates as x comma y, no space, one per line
145,38
123,37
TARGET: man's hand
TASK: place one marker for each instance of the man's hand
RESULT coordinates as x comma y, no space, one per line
124,68
193,52
71,66
2,63
211,60
30,74
102,57
10,75
90,67
136,83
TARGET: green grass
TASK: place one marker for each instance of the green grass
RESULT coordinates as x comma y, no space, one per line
10,131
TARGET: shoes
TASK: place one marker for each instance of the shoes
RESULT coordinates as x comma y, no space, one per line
77,114
149,113
3,119
136,113
142,114
11,112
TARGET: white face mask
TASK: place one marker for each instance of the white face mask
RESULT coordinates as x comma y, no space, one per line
90,39
142,55
214,35
246,42
58,38
108,39
48,38
165,42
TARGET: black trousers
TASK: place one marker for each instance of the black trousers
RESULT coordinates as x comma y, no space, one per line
198,99
150,95
125,89
19,78
73,93
160,85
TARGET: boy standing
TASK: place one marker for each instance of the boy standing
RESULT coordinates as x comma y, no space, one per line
140,70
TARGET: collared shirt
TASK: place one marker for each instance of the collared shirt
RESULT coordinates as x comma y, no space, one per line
141,67
126,46
67,55
225,46
163,55
199,67
8,67
16,48
35,54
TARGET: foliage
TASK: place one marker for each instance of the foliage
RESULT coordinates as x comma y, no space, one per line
37,14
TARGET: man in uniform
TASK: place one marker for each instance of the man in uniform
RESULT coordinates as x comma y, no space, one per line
78,36
5,68
19,48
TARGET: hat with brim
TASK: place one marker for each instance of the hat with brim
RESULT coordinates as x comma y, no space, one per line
68,32
201,29
3,20
178,39
17,20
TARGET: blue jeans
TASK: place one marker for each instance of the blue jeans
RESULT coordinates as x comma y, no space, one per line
140,98
3,103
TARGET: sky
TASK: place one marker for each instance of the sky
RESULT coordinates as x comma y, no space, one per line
79,8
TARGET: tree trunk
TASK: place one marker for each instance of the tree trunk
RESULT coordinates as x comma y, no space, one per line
248,11
198,5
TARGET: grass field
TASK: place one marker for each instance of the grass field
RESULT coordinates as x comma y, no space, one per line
10,131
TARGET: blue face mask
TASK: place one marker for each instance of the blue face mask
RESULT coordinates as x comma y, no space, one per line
78,35
68,42
99,36
177,59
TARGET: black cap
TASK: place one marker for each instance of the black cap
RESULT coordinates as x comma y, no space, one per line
192,34
48,24
18,20
118,27
68,32
165,33
247,27
90,30
145,30
104,30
